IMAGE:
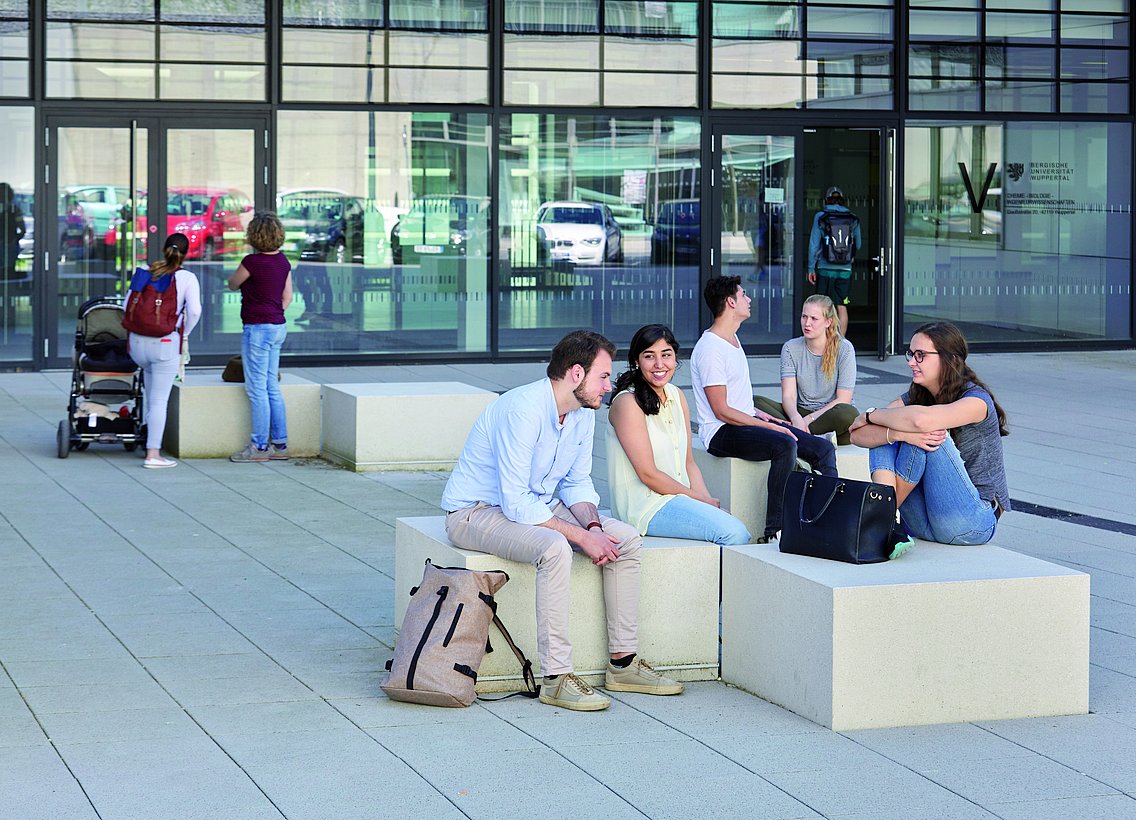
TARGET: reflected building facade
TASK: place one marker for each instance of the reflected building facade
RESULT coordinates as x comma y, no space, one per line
476,177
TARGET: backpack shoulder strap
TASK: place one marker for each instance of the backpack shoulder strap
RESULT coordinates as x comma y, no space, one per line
531,690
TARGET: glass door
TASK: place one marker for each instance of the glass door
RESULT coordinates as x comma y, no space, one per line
117,189
97,182
755,211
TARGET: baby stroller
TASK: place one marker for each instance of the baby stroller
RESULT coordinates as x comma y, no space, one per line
103,376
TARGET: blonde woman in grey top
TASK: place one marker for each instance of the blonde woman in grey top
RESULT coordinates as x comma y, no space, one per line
818,375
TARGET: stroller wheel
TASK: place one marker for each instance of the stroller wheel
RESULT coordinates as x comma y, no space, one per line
63,439
130,446
82,445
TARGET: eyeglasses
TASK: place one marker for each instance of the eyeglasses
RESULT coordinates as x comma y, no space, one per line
918,355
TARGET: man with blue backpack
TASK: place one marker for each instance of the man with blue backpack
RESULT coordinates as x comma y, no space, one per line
833,244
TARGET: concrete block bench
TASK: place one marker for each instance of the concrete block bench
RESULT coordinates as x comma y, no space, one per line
209,418
742,485
399,426
943,635
678,607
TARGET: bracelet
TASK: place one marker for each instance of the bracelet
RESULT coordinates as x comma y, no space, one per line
887,435
593,525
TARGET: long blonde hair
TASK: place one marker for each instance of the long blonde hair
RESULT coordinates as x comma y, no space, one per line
832,336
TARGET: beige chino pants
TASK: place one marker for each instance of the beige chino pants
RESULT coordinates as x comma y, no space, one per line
486,529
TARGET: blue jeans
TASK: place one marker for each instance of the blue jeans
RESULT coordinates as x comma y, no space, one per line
260,350
944,506
686,517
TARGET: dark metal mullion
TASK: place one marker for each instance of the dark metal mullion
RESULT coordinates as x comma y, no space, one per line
602,35
495,118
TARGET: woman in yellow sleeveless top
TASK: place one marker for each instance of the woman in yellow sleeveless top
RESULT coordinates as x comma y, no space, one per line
654,483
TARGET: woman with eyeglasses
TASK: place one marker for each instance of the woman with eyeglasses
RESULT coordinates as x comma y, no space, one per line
950,488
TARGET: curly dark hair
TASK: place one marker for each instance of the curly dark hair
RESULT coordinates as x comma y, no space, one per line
951,346
645,395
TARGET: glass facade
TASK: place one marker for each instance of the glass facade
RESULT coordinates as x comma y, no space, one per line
599,226
1017,231
474,178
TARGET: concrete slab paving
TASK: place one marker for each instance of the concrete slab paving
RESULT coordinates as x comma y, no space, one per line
226,663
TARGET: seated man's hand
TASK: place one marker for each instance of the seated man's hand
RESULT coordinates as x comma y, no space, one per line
599,546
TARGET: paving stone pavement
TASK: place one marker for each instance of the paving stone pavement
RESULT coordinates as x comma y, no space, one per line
207,642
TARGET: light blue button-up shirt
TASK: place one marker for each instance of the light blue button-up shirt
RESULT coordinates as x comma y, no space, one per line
519,457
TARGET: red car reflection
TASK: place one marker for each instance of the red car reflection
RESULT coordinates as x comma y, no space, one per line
214,219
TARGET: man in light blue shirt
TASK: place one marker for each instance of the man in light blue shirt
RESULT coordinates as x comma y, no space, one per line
522,489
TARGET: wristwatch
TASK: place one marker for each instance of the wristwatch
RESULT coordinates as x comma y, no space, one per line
868,414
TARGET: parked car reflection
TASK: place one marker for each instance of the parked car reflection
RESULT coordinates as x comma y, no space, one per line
582,233
677,232
323,225
214,219
441,224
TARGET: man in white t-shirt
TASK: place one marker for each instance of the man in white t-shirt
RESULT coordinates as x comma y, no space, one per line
728,422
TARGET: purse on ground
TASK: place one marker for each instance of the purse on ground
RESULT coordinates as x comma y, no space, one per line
445,635
837,518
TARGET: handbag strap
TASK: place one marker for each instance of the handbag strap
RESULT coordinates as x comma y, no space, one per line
839,488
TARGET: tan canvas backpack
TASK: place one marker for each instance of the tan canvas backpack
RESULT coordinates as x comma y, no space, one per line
445,635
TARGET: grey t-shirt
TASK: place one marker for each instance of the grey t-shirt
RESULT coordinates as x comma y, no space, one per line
814,389
980,445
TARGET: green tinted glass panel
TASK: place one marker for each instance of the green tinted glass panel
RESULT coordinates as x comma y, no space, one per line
1022,5
1117,6
464,15
756,21
943,25
552,16
361,13
875,24
1037,28
1097,30
651,19
1015,270
14,8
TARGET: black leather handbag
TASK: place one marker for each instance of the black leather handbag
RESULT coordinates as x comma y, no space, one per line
837,518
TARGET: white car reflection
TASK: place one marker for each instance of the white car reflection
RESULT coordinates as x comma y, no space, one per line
582,233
